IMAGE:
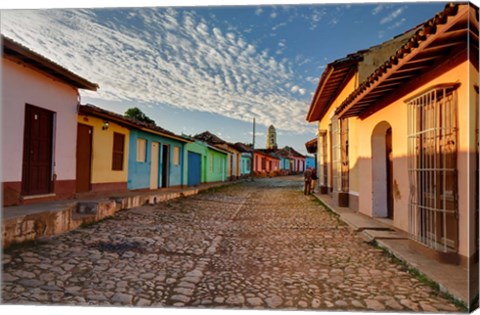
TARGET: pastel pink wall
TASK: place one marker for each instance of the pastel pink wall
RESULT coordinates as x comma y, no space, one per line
21,85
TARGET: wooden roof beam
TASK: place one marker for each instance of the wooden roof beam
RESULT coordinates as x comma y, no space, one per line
412,69
446,45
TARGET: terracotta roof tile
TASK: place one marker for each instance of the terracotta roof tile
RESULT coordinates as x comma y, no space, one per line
427,30
97,111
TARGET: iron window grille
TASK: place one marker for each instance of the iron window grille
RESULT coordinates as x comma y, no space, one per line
432,168
340,154
344,154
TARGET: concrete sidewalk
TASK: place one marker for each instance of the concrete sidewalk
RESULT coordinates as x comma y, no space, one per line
35,221
452,279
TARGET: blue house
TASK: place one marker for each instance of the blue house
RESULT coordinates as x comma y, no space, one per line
156,158
285,161
245,158
245,164
309,162
284,164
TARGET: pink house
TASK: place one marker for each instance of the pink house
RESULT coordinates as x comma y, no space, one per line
39,118
265,163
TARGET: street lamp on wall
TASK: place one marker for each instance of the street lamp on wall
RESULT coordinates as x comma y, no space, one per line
105,125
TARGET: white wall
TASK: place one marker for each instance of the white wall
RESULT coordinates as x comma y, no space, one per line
21,85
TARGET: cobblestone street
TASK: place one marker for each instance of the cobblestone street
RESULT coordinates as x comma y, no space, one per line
259,244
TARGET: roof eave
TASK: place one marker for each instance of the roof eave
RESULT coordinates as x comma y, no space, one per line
349,63
100,113
17,52
423,38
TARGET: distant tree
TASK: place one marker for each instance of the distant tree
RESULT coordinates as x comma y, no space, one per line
137,114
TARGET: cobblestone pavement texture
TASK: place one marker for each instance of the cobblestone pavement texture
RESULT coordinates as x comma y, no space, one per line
253,245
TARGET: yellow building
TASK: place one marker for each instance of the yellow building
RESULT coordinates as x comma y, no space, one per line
398,133
102,151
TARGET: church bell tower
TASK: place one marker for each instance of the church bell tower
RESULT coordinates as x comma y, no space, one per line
271,138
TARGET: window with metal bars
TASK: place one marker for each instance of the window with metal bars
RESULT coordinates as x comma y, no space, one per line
340,169
344,154
432,167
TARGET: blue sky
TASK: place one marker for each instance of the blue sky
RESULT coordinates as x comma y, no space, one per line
213,68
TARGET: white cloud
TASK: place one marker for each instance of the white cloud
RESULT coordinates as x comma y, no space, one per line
392,15
377,9
258,11
312,80
257,133
182,61
397,24
273,15
276,27
316,17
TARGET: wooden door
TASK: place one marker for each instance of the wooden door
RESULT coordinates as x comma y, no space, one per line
84,157
154,166
389,168
37,151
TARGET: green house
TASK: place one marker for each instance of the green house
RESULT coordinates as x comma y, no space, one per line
204,163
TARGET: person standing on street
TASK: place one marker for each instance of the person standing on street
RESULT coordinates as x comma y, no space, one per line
314,180
307,176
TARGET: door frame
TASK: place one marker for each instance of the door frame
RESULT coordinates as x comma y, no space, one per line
381,189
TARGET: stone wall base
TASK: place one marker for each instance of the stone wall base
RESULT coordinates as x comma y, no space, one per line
70,216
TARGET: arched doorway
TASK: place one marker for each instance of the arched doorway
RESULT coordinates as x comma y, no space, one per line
382,171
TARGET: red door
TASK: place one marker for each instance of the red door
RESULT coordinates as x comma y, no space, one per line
84,157
37,151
